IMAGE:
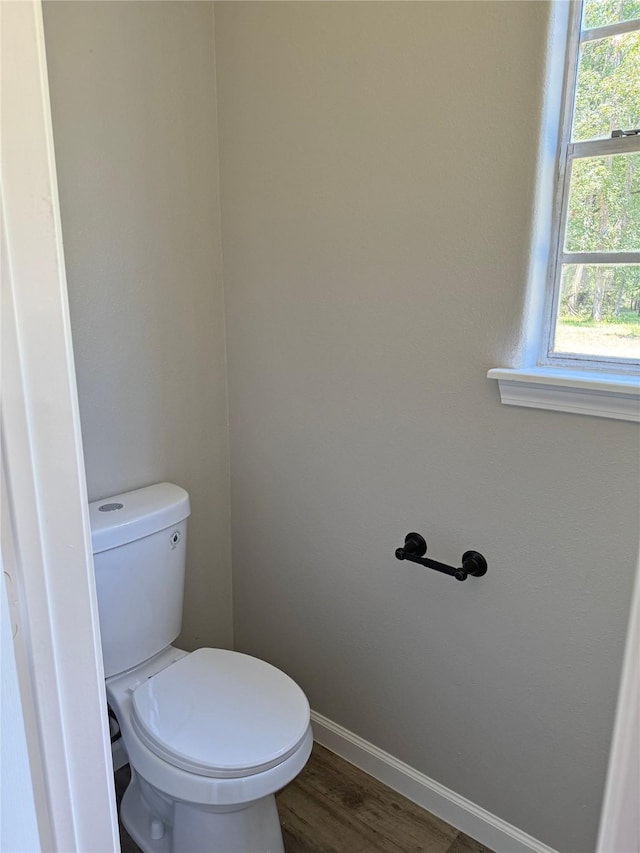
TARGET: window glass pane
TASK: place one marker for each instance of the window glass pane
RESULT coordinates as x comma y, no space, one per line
604,204
599,311
607,86
598,13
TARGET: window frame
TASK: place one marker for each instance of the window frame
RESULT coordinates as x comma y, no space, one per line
576,386
567,153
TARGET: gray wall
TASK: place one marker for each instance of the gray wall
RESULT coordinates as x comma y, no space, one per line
378,171
134,114
378,166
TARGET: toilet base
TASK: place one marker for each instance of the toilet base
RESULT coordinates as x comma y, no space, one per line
160,825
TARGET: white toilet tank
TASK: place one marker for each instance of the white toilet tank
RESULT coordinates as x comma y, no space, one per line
139,543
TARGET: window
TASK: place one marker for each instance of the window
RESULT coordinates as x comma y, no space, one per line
581,353
594,305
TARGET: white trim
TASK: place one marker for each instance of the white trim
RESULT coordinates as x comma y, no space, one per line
580,392
566,152
459,812
620,821
607,146
46,544
619,28
546,205
601,258
558,201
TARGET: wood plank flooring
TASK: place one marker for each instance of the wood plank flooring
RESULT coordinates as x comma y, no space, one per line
332,807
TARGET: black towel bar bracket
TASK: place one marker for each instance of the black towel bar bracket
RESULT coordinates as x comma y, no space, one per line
415,548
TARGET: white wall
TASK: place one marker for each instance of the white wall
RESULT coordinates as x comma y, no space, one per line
18,823
378,169
134,114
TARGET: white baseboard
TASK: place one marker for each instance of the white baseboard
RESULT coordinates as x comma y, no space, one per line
461,813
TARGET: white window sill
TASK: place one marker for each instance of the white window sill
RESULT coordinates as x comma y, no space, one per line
581,392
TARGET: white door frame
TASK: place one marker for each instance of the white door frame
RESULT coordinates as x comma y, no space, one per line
46,544
620,818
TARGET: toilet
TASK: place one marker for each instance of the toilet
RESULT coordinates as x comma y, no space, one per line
210,735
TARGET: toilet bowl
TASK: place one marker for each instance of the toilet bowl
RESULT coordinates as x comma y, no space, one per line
210,735
186,786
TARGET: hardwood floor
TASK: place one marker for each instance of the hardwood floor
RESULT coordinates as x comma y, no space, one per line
332,807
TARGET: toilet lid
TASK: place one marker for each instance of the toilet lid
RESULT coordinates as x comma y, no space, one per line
220,713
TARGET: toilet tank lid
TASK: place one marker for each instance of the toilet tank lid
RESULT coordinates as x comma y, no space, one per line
133,515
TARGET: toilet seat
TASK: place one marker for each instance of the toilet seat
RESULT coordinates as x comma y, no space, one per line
220,714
